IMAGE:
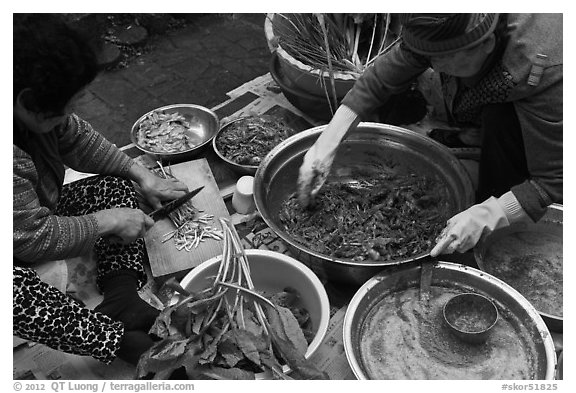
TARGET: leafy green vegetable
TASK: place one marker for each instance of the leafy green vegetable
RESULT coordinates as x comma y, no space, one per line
228,373
287,328
223,331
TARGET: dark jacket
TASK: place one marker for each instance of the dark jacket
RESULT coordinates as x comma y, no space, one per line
538,103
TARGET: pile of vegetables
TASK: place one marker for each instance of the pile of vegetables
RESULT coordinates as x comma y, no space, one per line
335,42
229,330
382,216
164,133
192,225
246,141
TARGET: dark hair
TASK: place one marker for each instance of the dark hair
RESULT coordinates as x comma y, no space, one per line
52,59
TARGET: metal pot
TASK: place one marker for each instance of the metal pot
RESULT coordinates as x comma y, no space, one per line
550,223
368,144
521,315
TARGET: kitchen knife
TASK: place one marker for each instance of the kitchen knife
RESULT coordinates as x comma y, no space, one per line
175,204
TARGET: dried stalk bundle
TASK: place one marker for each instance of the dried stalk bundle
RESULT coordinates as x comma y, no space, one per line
382,216
228,330
335,42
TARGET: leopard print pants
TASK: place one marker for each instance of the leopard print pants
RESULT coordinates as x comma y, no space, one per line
99,193
43,314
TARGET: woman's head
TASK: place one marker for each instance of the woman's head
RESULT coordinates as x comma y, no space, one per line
456,44
52,63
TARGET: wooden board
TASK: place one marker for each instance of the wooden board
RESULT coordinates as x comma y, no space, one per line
165,259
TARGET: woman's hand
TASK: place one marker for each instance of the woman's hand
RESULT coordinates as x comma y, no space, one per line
320,157
123,224
464,230
314,172
156,189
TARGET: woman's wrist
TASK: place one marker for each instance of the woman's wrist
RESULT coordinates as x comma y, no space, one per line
106,222
343,121
513,209
138,173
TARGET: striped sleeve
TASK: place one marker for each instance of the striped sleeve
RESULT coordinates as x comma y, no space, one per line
84,149
39,235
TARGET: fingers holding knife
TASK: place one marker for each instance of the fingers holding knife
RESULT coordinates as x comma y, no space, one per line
174,204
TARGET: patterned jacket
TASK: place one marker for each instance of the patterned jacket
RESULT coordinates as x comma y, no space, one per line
537,101
39,234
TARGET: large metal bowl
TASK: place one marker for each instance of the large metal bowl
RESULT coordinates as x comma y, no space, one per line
368,144
551,223
204,125
527,324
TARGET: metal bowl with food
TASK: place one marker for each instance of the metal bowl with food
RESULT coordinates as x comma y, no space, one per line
175,132
244,142
529,257
371,147
391,333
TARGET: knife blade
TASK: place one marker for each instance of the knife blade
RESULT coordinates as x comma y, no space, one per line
175,204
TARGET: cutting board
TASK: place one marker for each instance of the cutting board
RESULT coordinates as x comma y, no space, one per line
165,260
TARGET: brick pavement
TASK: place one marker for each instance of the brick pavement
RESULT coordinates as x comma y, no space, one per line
196,64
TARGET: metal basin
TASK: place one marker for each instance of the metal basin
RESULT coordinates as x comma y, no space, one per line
204,125
550,225
367,145
238,168
520,345
244,169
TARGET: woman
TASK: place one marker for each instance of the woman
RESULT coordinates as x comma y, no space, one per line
501,73
52,64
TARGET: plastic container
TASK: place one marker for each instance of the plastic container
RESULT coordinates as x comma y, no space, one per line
243,197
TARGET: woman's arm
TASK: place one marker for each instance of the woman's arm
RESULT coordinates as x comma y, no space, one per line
84,149
39,235
541,120
392,73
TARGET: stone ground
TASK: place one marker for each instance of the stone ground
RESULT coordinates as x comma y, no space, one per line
197,63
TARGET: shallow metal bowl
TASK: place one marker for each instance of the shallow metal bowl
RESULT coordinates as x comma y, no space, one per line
550,223
238,168
204,125
511,305
368,144
241,169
